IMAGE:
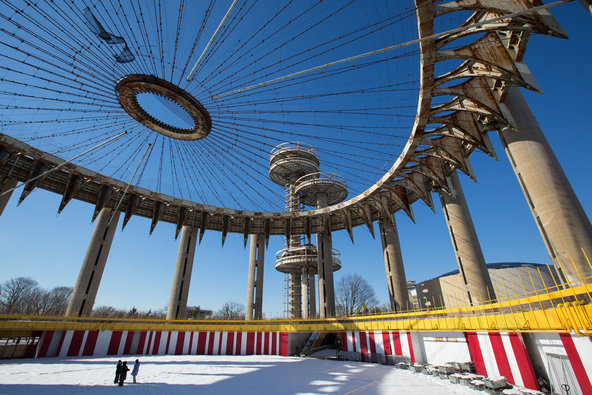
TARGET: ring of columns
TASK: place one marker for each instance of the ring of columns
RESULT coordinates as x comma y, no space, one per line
441,141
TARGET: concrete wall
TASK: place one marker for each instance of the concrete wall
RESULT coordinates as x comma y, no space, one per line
297,342
439,348
450,290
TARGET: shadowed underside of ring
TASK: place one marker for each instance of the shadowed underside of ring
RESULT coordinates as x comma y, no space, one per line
129,87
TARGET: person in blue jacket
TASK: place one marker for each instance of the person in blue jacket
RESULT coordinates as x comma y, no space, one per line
136,369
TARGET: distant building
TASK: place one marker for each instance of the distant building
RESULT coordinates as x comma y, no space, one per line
411,288
197,313
509,279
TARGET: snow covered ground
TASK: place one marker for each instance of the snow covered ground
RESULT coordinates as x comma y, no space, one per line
219,375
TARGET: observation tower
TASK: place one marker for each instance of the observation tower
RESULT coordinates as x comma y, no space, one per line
289,162
320,190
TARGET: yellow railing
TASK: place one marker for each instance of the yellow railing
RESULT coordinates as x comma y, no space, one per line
555,307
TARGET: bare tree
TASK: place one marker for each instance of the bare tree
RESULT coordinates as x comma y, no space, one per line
107,312
112,312
354,295
231,311
17,294
58,299
54,302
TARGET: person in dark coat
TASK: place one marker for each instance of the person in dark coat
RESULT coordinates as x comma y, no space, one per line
135,370
117,371
123,373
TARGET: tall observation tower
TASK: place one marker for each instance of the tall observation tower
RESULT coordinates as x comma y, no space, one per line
321,190
296,167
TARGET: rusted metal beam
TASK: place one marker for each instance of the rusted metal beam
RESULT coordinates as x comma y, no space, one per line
74,184
156,213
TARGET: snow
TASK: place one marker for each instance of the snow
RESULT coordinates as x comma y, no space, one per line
217,375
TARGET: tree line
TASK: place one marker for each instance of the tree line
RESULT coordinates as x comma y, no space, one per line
23,295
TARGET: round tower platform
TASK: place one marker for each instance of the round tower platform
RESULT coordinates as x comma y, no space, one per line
294,259
292,160
310,186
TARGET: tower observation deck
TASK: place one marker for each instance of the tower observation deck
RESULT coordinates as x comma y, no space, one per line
296,167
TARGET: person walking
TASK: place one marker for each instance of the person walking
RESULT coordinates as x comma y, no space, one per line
135,370
123,373
117,371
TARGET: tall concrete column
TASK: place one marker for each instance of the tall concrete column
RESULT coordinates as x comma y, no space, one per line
325,266
565,228
6,185
467,249
312,297
393,264
295,296
255,281
87,285
305,293
177,309
308,294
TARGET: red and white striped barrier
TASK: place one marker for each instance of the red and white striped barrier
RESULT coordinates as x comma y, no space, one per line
577,352
100,343
493,353
381,343
502,354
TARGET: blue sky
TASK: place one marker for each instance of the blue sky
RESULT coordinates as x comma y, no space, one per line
35,242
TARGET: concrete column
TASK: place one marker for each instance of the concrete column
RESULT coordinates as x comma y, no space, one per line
393,264
87,285
6,185
305,293
259,278
325,266
255,281
312,297
295,295
565,228
177,309
467,249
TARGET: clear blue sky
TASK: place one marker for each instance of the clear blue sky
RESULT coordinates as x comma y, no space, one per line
35,242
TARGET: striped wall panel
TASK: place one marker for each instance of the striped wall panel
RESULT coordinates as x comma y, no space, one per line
576,349
579,352
502,354
381,343
101,343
